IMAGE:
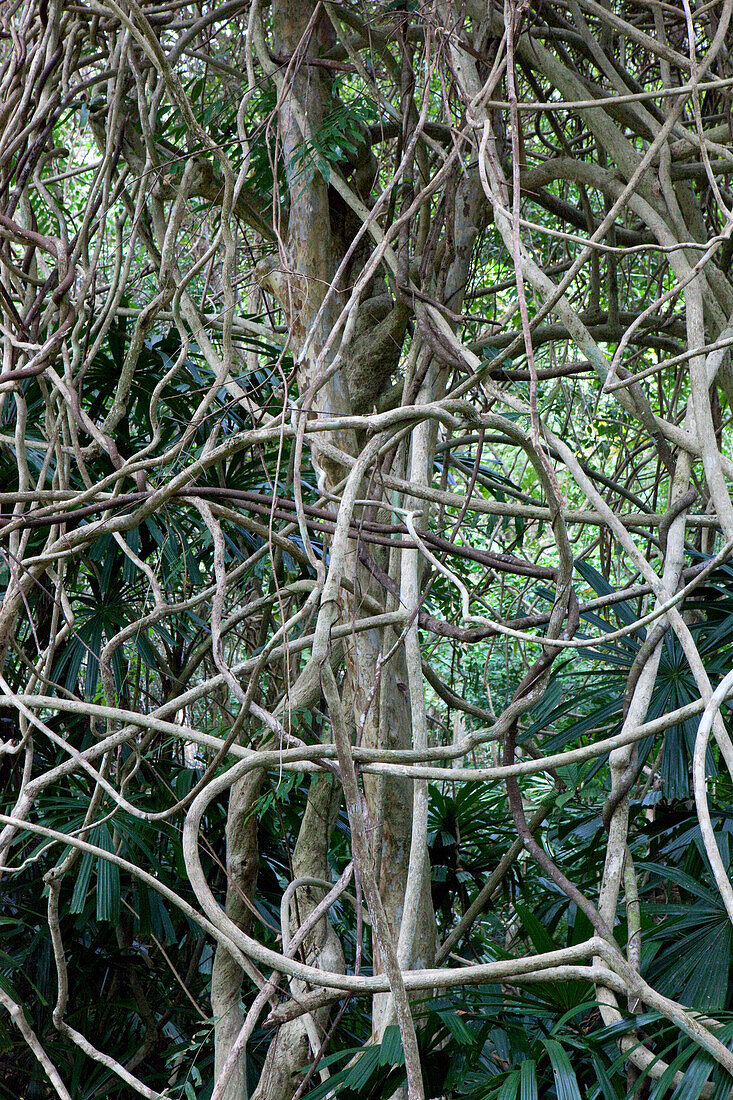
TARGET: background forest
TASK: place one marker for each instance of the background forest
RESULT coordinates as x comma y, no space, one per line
365,539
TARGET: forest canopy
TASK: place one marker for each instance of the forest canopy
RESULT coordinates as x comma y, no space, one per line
365,549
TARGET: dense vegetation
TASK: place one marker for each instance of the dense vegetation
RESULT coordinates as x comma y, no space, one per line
365,526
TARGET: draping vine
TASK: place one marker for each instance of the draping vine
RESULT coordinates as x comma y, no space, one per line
365,493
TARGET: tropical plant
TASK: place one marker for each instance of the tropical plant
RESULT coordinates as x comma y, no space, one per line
365,525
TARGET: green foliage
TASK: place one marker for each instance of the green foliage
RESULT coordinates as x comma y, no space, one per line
336,142
139,971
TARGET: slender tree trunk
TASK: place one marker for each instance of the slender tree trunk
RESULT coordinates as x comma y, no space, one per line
242,863
297,1042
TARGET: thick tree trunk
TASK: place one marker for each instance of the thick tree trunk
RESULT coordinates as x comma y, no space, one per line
380,707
